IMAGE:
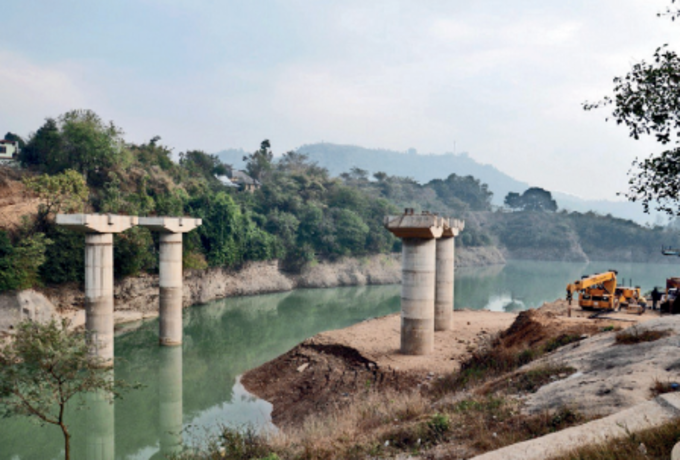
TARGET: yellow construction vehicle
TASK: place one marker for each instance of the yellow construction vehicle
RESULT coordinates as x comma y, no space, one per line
630,297
595,291
600,292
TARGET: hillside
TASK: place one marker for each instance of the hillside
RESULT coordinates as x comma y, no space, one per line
425,167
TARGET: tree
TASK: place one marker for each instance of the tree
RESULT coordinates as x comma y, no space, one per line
65,192
15,138
259,163
647,102
43,368
78,140
201,164
469,190
533,199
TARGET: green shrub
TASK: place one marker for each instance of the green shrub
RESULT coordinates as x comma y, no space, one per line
20,262
133,252
64,258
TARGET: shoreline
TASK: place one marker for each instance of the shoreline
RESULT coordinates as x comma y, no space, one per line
136,298
575,365
369,351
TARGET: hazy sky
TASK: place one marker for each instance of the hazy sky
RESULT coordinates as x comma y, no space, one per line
502,80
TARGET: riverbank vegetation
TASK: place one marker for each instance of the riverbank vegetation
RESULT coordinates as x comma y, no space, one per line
289,209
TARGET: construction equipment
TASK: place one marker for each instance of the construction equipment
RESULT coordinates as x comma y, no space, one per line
600,292
595,291
630,299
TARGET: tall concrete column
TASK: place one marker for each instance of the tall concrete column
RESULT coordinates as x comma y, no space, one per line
170,401
170,283
170,273
443,307
98,229
417,295
418,233
99,294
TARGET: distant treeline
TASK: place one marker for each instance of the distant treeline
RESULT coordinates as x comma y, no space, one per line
292,210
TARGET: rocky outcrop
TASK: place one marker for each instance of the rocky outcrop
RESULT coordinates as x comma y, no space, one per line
16,307
479,257
381,269
569,251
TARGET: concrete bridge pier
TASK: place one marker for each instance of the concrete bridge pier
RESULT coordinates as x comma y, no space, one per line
444,290
98,229
99,293
170,273
443,305
417,295
418,233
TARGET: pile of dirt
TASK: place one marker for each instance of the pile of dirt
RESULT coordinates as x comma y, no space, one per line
314,377
535,328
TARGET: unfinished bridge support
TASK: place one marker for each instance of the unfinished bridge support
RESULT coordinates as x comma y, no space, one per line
98,231
170,273
444,280
427,277
443,305
418,233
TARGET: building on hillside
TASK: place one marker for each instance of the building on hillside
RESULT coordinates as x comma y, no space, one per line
9,150
244,181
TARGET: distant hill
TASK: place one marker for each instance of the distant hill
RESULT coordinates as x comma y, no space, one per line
425,167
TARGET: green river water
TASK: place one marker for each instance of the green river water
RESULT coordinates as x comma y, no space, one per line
191,390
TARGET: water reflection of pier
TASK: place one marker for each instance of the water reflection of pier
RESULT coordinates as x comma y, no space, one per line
100,438
170,401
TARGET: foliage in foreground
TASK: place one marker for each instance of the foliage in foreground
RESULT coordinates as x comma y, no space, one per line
43,368
646,102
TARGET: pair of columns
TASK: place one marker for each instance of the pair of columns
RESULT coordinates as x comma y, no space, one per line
99,230
428,249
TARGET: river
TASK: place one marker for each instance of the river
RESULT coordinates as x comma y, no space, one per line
196,386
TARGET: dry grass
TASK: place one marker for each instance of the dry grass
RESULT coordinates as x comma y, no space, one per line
384,425
654,443
354,431
634,335
494,359
528,381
